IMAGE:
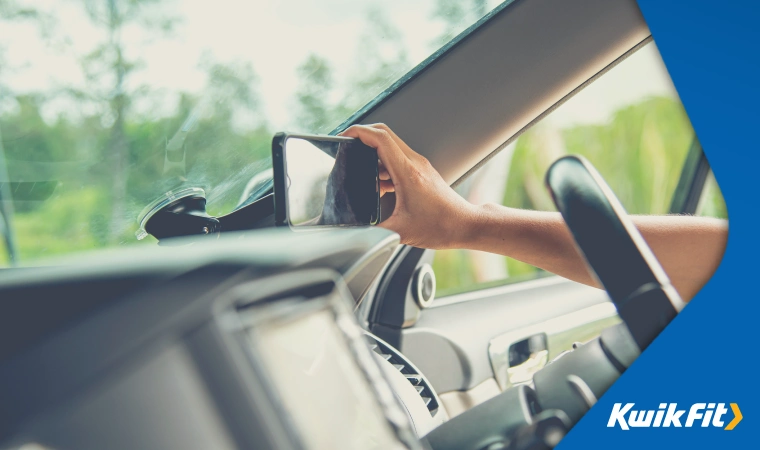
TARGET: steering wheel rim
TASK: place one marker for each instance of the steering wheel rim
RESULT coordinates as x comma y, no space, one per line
613,248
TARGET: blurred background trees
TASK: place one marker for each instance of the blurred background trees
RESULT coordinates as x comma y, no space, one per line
640,152
80,178
457,15
107,70
85,157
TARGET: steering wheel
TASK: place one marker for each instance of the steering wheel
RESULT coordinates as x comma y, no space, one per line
613,248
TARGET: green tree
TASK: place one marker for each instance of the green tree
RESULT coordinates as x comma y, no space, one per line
640,153
10,10
382,52
456,15
316,113
86,174
107,71
217,140
231,141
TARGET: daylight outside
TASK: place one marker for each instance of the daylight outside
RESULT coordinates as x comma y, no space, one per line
96,121
242,329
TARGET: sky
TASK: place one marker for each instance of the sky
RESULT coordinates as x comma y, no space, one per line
275,37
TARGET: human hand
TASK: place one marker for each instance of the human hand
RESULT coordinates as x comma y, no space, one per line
428,213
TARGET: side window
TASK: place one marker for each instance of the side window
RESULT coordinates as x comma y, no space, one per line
711,203
629,124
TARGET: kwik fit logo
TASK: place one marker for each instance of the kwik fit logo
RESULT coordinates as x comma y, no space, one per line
669,415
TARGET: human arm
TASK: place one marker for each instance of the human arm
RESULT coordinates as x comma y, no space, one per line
429,214
689,248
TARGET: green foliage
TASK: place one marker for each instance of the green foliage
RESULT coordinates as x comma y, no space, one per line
712,203
55,227
316,111
383,57
453,272
382,53
639,152
80,180
456,16
72,159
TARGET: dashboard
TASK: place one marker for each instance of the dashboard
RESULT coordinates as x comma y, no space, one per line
247,341
237,342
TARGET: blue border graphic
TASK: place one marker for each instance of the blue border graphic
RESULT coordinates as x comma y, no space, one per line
708,353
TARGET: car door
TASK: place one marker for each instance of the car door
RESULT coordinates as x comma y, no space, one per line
496,321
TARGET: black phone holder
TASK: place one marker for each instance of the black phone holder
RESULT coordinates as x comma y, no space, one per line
182,213
178,213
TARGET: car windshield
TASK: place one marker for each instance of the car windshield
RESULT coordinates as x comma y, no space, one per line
105,105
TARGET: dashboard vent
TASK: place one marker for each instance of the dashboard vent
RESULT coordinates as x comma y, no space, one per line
401,364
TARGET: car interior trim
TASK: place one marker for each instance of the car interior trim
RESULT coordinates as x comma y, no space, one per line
552,108
442,343
498,291
562,334
523,40
457,402
359,115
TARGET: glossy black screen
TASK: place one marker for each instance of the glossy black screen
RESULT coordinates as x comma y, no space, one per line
331,183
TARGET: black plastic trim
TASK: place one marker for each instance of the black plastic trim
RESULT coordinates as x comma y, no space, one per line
387,314
694,174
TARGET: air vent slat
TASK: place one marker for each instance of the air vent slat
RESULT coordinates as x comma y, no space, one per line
414,379
392,356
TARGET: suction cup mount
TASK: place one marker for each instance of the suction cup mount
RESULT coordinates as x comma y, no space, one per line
177,213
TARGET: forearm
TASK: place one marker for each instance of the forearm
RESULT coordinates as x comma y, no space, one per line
428,213
689,248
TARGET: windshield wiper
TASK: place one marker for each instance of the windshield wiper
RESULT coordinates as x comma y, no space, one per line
6,209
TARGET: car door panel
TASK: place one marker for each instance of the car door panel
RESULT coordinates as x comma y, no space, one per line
450,341
457,402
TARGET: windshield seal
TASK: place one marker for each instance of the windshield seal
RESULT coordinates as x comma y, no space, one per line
358,116
410,76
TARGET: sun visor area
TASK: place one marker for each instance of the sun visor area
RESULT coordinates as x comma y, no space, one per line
531,55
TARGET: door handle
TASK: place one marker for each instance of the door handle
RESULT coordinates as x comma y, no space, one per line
526,357
518,354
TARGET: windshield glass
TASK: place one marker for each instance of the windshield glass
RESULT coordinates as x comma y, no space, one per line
107,104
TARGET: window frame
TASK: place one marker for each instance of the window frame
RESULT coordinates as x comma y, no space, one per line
685,200
692,182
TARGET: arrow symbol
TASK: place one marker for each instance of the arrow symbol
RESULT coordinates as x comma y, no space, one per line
737,417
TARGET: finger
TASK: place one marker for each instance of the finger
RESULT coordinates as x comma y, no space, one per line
401,144
393,159
381,170
386,186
